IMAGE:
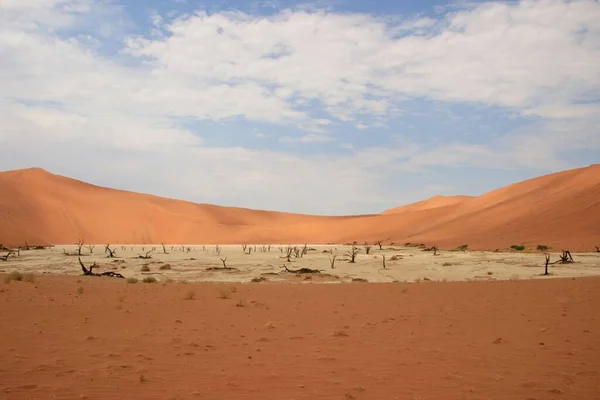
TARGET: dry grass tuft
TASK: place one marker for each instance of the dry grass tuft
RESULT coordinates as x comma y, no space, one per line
80,290
190,294
165,267
132,280
224,294
145,268
149,279
258,279
19,277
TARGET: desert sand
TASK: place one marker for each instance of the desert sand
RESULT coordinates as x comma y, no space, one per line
560,210
202,263
66,337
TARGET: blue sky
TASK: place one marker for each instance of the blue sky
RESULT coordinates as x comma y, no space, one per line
330,107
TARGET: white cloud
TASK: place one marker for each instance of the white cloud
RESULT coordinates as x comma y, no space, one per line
309,69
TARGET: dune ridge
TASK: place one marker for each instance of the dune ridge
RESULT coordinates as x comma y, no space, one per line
561,210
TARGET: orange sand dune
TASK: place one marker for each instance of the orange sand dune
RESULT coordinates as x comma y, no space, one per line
560,210
433,202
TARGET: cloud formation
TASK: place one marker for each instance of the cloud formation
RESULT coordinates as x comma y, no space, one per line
311,74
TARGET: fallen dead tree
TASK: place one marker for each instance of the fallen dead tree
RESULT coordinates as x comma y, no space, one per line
301,270
8,254
90,272
565,258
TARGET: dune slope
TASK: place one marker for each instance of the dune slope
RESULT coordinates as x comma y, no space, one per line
560,210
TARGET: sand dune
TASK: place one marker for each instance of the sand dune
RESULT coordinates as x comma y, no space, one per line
433,202
560,210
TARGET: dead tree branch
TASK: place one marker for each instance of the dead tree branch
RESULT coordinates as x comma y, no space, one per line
90,248
8,254
223,260
164,248
90,272
383,261
353,252
147,256
547,262
367,248
302,270
332,261
380,244
79,246
111,252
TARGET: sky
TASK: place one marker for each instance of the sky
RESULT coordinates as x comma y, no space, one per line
329,107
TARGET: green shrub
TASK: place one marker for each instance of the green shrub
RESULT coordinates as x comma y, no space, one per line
542,247
517,247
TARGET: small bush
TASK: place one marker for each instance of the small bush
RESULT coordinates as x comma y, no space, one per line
542,247
258,279
446,264
517,247
224,294
80,290
462,247
19,277
132,280
165,267
240,303
149,279
145,268
189,295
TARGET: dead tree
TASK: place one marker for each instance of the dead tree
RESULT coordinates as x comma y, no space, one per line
367,248
353,252
26,246
269,248
302,270
91,248
597,249
304,250
383,260
8,254
248,250
79,246
380,244
244,247
111,252
90,272
565,257
217,249
164,248
223,260
547,262
147,256
296,252
332,261
288,253
435,249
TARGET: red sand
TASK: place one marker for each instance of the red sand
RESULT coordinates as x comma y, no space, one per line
560,210
501,340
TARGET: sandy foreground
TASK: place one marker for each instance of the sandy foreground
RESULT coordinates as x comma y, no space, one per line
406,264
68,337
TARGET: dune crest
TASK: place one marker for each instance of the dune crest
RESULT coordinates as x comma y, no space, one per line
559,210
